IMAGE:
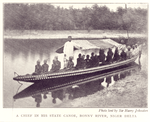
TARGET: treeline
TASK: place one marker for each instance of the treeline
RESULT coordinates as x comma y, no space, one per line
47,17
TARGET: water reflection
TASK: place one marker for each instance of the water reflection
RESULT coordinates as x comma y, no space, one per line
60,94
40,91
108,80
116,77
20,56
38,99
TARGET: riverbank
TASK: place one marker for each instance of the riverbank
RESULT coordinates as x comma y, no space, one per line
130,92
44,34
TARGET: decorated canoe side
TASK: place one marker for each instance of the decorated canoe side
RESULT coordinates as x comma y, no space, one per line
43,87
66,74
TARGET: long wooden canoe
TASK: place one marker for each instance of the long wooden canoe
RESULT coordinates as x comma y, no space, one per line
75,73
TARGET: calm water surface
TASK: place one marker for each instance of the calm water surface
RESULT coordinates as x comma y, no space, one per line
20,56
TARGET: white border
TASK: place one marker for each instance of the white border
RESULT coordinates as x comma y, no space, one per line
9,115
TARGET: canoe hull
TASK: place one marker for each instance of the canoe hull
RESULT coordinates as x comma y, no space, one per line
77,74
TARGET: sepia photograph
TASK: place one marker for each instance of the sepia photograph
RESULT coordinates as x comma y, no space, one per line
75,55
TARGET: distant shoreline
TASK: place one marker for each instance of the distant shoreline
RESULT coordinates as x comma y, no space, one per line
45,34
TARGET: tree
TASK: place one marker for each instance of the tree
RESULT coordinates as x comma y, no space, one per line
45,16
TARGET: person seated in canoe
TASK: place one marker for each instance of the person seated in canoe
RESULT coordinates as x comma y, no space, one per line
79,61
56,65
116,55
65,61
123,55
96,60
38,68
101,57
70,64
83,62
87,60
129,53
109,56
45,67
134,50
92,60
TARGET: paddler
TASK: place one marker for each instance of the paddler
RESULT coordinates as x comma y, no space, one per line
38,68
70,64
116,55
56,65
123,55
45,67
79,61
109,56
87,60
101,57
129,53
92,59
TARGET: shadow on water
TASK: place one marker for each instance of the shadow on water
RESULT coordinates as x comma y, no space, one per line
86,86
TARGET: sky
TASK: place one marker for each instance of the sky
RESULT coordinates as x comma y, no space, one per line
112,7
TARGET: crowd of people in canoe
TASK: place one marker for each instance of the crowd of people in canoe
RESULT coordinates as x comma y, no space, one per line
88,61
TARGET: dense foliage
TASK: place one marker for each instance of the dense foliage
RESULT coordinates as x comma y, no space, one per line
48,17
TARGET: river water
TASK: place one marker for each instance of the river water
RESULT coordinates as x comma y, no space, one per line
20,56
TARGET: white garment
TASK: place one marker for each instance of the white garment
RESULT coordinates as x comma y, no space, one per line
140,47
134,52
69,49
65,62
